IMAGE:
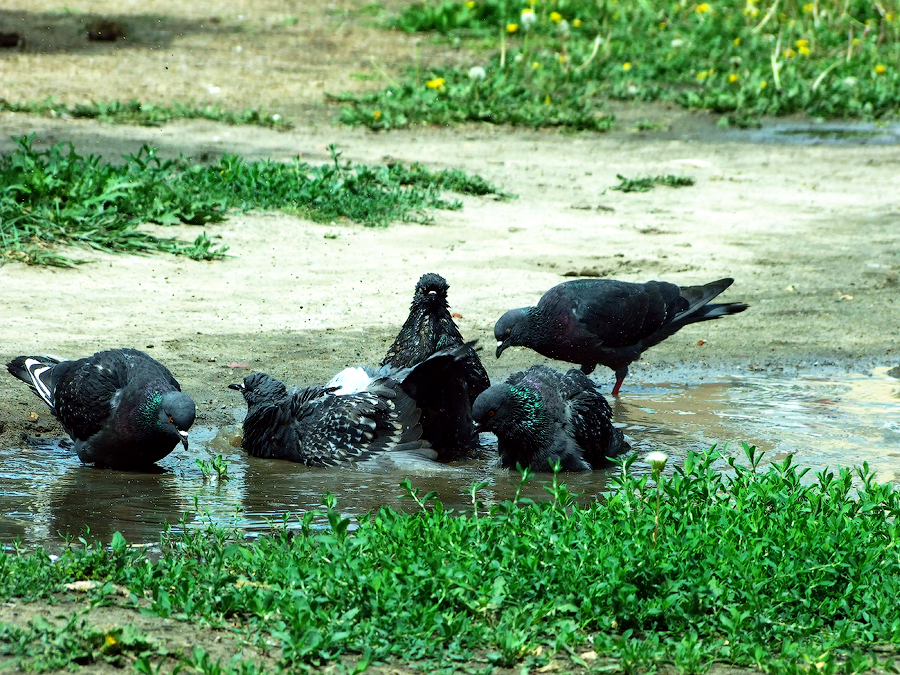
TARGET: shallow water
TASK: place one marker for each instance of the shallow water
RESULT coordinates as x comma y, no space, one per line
824,421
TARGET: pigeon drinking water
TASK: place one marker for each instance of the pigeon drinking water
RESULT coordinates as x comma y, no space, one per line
542,416
122,408
591,321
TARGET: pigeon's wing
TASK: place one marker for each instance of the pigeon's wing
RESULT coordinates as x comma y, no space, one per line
139,365
616,313
339,429
589,419
86,392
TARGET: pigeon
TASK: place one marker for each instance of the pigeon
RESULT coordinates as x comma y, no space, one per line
122,408
591,321
359,415
446,402
542,416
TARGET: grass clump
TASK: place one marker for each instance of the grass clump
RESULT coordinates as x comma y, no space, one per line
57,197
649,182
147,114
554,63
753,566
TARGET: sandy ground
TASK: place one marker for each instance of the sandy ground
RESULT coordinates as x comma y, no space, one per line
810,233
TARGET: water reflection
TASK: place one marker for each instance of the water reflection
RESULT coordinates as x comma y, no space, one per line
835,421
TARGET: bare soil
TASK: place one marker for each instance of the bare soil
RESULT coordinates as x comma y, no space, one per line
810,233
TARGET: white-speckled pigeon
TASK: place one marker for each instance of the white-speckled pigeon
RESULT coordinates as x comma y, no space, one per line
541,415
591,321
446,402
357,416
122,408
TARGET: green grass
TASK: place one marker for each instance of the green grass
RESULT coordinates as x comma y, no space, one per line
752,566
743,58
147,114
56,197
649,182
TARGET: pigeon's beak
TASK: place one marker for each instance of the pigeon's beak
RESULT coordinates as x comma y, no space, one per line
184,442
236,387
501,345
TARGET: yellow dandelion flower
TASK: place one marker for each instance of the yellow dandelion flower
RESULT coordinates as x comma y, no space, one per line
576,23
804,51
563,58
703,8
471,4
110,641
733,78
751,9
737,41
808,7
547,100
662,25
376,114
512,27
535,65
789,53
763,84
889,17
436,83
555,17
626,65
880,69
702,75
802,43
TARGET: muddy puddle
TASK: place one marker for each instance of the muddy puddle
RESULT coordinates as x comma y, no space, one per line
823,421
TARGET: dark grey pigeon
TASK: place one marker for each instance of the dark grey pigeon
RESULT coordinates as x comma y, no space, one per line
591,321
122,408
446,401
357,416
541,415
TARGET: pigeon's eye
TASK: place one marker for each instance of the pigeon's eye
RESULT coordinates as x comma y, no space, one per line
490,413
171,419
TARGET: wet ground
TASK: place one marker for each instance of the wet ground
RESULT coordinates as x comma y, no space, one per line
824,421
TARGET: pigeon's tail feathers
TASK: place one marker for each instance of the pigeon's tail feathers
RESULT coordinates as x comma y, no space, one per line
717,310
698,296
36,372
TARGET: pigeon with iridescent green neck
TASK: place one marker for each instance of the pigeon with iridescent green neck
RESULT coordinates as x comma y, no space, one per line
542,416
122,408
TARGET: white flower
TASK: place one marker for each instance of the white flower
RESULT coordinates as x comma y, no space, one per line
528,18
657,460
477,73
677,42
562,27
850,81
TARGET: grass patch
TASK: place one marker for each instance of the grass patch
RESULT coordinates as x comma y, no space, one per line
649,182
57,197
751,566
554,63
147,114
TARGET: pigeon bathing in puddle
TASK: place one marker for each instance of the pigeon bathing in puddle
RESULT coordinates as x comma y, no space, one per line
122,408
591,321
541,416
446,402
358,416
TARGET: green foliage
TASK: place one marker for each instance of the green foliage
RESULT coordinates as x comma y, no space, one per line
45,645
147,114
57,197
554,63
217,465
649,182
751,566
